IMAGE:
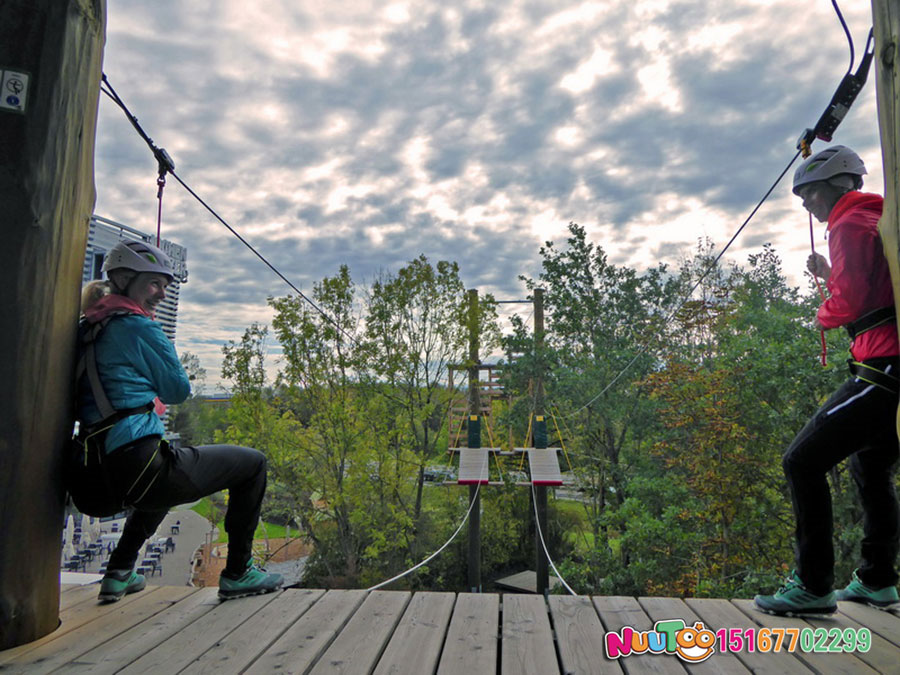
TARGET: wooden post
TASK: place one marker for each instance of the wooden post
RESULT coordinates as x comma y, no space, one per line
540,441
50,58
474,441
886,17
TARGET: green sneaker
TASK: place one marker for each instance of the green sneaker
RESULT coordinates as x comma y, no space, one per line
793,599
116,583
254,581
880,598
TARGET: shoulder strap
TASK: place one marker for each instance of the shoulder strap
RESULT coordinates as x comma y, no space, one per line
87,365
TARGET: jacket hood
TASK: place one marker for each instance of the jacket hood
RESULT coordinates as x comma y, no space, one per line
855,200
113,304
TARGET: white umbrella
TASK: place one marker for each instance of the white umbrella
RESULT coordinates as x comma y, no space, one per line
70,530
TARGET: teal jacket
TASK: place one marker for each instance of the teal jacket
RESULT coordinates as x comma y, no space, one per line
136,363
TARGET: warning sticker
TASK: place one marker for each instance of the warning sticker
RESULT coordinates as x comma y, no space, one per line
13,90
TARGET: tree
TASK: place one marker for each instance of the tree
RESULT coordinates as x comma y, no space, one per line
415,328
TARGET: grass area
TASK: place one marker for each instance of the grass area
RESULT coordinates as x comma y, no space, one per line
205,507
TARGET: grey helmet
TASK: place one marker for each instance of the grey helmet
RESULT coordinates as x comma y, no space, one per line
828,163
138,256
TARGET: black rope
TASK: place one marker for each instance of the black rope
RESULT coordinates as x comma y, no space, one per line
847,32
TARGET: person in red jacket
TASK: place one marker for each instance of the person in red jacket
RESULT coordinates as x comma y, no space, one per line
859,420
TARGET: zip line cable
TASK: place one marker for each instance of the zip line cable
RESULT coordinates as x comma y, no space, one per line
688,295
166,165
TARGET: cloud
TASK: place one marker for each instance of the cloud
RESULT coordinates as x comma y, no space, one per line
368,133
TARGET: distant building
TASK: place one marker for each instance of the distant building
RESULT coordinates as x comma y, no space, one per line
105,233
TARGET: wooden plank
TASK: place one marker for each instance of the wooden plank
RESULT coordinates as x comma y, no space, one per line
471,644
660,609
885,624
718,614
618,612
115,654
579,636
357,648
826,664
527,641
882,655
416,644
74,595
119,618
473,466
71,619
239,649
544,466
303,643
182,648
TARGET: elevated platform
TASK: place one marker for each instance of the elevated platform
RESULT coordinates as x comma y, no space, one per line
167,629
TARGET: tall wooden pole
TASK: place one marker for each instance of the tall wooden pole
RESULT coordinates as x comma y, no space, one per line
50,58
540,441
886,17
474,441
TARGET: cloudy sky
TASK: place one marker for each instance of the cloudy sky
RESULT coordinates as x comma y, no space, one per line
368,133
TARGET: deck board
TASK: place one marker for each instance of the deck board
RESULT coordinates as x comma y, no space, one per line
193,641
416,644
358,647
241,647
827,664
579,635
301,645
527,640
112,620
471,643
181,629
616,612
660,609
722,614
125,648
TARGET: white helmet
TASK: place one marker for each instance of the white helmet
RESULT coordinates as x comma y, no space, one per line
138,256
830,162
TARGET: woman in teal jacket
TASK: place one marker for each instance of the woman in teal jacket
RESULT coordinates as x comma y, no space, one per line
119,405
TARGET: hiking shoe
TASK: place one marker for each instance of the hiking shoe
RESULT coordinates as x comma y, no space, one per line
792,599
254,581
880,598
116,583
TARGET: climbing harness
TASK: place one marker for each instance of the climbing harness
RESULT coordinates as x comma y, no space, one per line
875,376
88,458
873,319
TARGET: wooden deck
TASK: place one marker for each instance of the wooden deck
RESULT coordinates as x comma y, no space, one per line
168,629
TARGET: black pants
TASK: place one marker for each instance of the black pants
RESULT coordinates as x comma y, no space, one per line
859,422
188,474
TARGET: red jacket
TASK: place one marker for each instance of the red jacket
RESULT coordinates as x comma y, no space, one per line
860,281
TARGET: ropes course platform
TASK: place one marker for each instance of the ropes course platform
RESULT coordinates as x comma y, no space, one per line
167,629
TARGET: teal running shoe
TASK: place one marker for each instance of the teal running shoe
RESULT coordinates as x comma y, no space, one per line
117,583
792,599
879,598
255,581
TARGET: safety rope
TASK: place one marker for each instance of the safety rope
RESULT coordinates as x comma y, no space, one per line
812,245
472,503
562,443
537,525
